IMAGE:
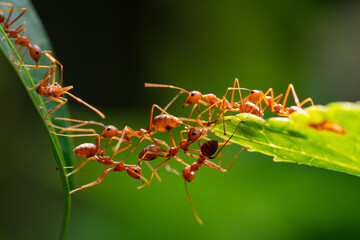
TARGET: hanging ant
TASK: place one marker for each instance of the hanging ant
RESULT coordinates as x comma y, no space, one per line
152,152
207,151
54,91
110,132
92,151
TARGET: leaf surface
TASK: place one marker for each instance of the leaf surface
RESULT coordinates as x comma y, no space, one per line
323,136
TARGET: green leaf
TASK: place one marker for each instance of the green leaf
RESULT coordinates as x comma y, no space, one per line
61,146
323,136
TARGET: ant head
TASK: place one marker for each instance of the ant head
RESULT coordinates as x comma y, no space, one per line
209,148
254,96
194,133
149,153
188,175
134,172
35,53
2,17
110,131
193,98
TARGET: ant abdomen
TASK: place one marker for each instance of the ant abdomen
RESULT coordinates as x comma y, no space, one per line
249,107
149,153
86,150
163,122
209,148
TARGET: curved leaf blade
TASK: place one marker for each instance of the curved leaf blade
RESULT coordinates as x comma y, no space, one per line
61,146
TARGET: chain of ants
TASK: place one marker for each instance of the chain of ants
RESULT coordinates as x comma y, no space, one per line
215,109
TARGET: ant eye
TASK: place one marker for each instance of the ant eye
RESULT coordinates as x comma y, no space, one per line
37,52
108,129
252,92
192,94
136,170
194,133
56,83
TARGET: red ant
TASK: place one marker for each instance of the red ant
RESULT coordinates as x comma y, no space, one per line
91,151
258,97
109,131
54,91
207,151
152,152
212,102
34,50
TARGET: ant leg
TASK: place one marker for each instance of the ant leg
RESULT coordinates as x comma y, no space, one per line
180,160
268,104
61,102
77,166
52,59
307,100
153,173
170,169
85,103
97,181
118,150
226,142
72,135
296,99
81,122
22,59
72,129
17,18
193,109
192,206
213,165
20,29
236,86
157,141
232,162
152,169
192,155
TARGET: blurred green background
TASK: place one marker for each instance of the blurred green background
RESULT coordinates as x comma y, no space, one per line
110,49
